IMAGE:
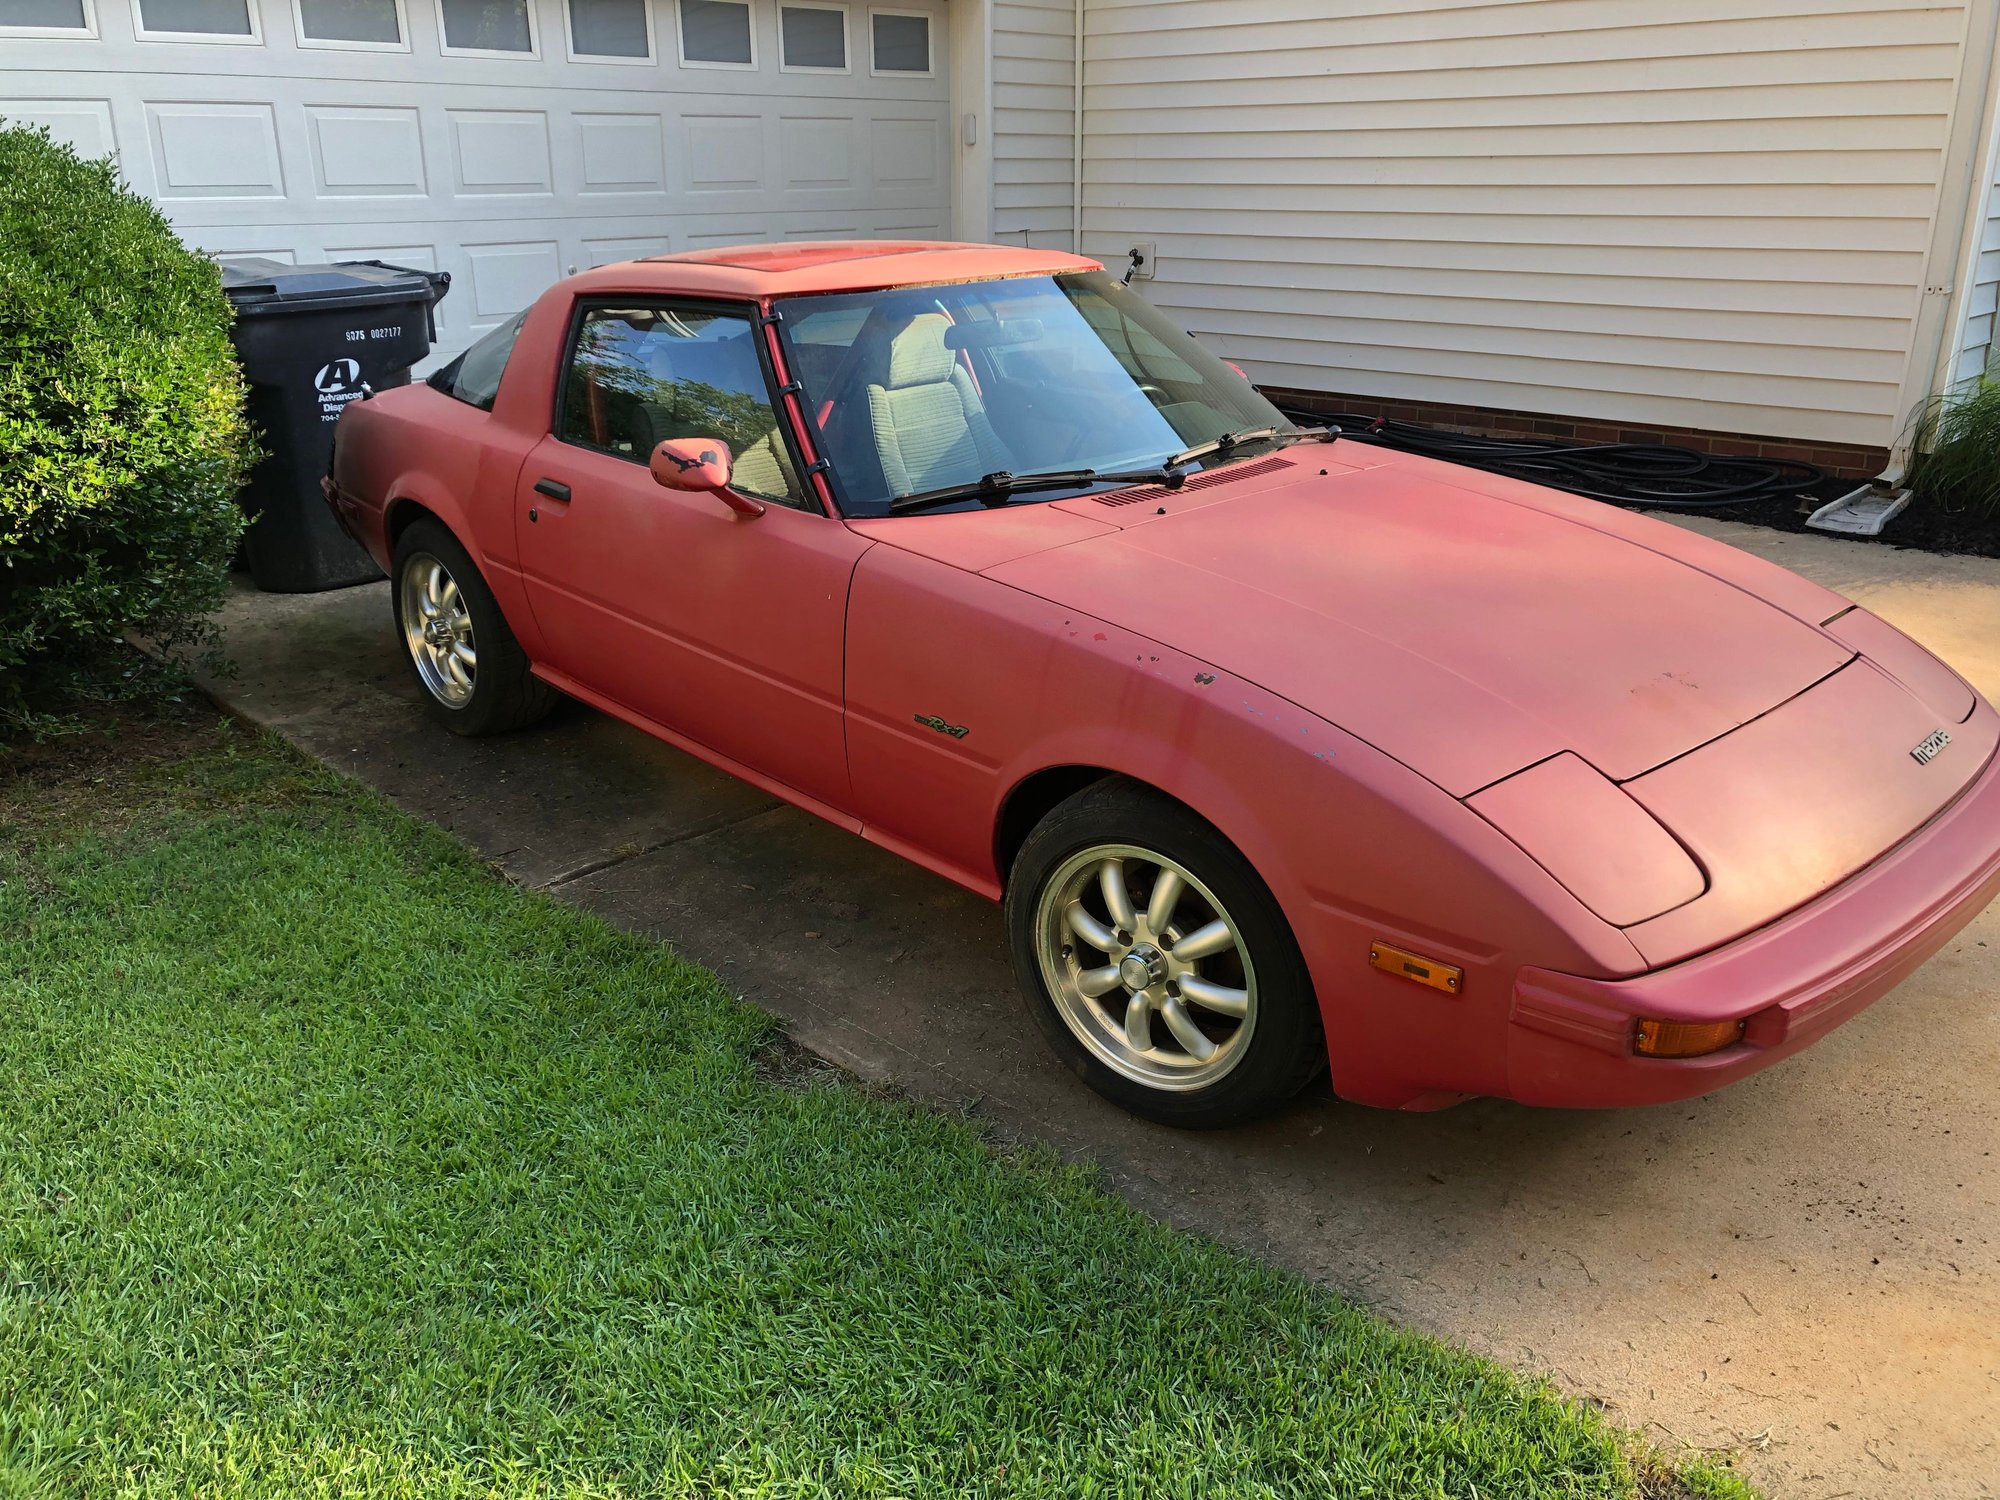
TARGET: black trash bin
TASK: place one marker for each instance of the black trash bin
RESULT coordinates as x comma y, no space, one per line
311,339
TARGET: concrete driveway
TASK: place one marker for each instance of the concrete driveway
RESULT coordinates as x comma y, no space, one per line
1807,1265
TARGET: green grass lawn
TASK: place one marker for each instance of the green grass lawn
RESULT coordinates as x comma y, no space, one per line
335,1164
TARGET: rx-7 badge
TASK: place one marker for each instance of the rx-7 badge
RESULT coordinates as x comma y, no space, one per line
932,721
1931,748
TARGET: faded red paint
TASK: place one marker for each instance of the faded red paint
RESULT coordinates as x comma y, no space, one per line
1339,658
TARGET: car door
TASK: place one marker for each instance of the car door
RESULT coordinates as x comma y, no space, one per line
723,627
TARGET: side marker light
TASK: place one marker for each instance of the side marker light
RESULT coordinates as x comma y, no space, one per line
1439,976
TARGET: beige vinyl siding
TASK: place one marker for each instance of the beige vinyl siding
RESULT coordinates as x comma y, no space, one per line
1979,346
1713,214
1034,122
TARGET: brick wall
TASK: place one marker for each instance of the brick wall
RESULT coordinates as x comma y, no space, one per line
1855,461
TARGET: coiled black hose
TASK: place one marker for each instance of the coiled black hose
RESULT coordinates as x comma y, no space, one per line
1635,474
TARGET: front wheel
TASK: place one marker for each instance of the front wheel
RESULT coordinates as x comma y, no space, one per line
473,672
1157,963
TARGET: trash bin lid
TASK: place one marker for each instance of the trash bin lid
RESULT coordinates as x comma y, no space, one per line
260,286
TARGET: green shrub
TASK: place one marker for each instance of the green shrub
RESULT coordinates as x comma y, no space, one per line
122,435
1956,462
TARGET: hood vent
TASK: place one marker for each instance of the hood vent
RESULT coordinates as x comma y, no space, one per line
1199,482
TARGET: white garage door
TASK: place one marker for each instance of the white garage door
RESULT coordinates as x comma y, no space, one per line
508,142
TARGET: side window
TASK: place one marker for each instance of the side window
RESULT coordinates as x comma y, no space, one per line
642,373
474,377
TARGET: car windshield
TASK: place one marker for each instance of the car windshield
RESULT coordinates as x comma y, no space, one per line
914,390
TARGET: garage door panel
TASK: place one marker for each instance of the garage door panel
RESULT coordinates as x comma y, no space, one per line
506,172
620,154
505,276
82,123
816,154
501,152
907,154
306,159
215,150
367,151
724,152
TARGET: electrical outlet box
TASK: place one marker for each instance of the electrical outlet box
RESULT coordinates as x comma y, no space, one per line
1140,257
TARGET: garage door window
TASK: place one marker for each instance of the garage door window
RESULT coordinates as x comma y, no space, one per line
609,31
717,34
902,42
642,374
813,38
488,28
197,20
360,24
46,18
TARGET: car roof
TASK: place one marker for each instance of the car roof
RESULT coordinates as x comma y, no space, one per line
794,267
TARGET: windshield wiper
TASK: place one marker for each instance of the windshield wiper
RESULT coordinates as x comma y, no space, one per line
997,488
1233,440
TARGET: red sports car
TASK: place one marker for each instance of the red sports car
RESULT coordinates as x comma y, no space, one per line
1283,752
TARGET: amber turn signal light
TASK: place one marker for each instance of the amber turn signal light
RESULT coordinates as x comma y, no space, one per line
1685,1038
1400,961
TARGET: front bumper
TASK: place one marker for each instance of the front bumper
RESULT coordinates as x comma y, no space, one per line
1569,1039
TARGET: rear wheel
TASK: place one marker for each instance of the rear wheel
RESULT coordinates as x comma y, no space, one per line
1157,963
473,673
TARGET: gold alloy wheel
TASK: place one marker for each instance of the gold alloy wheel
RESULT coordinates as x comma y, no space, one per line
1145,967
437,628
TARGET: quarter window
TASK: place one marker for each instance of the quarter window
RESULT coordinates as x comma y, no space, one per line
813,38
487,26
351,23
474,377
642,373
610,28
716,34
209,18
901,40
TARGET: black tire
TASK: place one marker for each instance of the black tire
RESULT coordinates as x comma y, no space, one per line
504,694
1284,1049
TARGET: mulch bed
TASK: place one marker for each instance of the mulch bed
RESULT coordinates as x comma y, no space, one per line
1922,527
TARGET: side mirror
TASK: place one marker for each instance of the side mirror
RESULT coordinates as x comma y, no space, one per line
701,464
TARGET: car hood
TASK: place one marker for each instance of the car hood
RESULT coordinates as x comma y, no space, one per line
1460,626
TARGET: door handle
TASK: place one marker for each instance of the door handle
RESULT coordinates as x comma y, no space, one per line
552,489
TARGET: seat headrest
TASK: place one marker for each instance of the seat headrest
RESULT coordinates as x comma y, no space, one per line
729,364
659,363
918,354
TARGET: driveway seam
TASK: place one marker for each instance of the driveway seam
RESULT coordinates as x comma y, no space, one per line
682,836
